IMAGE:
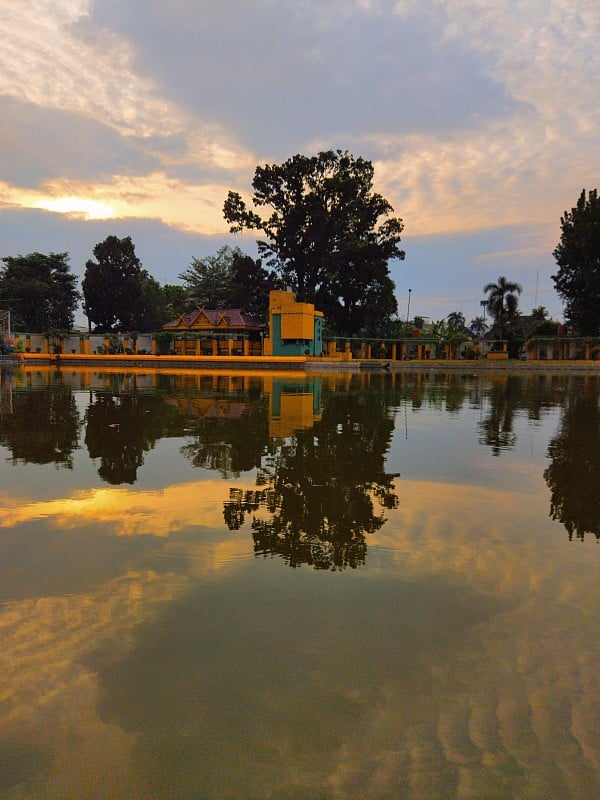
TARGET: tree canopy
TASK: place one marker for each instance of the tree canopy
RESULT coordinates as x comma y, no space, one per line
230,279
328,234
577,255
208,279
456,321
118,293
40,290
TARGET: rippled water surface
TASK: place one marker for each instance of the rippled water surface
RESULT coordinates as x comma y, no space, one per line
270,586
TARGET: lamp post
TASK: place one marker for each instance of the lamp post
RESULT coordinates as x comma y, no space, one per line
408,309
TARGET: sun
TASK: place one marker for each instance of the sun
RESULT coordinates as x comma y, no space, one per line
77,206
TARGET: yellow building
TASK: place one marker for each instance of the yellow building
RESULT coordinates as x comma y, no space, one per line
295,329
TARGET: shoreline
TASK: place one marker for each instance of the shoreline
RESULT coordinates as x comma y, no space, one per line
295,363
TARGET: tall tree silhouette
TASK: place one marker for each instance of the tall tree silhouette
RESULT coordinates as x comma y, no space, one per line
573,475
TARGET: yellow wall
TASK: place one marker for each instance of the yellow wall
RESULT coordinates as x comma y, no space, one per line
297,319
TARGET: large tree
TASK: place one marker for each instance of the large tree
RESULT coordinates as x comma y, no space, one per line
578,257
503,302
40,290
230,279
251,284
114,286
208,279
328,234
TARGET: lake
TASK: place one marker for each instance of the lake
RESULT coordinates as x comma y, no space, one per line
244,586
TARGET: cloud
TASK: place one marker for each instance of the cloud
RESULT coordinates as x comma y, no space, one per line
480,118
52,58
156,196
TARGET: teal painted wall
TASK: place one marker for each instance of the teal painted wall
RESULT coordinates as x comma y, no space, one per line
297,347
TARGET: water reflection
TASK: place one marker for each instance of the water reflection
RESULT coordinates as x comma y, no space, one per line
573,475
40,427
120,428
323,489
317,446
146,652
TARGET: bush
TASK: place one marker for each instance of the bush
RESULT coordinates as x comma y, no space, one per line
163,339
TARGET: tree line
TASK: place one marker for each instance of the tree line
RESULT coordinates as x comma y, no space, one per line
325,234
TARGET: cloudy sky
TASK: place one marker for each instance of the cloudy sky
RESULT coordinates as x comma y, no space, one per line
136,117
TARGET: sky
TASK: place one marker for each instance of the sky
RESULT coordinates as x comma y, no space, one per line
136,118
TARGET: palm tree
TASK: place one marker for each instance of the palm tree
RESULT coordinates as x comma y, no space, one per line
503,301
478,326
456,320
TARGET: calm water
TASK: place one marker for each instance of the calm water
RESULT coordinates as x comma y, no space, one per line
285,587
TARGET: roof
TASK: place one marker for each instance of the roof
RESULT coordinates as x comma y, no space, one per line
215,319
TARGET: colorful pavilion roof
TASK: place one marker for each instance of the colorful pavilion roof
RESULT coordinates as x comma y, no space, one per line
210,319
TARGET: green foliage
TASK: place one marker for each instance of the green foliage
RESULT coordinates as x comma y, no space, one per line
208,280
115,288
456,321
164,340
577,255
176,300
151,312
478,326
251,285
449,338
230,279
40,290
503,302
328,235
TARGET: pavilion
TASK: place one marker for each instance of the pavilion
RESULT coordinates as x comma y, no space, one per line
217,332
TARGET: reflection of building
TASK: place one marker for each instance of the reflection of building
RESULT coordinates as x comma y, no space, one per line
293,407
293,404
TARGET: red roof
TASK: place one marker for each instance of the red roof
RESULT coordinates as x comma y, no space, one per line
207,318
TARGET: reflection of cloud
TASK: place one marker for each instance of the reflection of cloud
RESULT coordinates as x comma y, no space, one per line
129,513
497,699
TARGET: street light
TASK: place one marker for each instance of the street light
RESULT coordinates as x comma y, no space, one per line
408,309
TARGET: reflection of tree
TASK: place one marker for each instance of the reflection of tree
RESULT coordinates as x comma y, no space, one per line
120,428
497,427
573,476
509,395
230,437
43,426
447,391
320,487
